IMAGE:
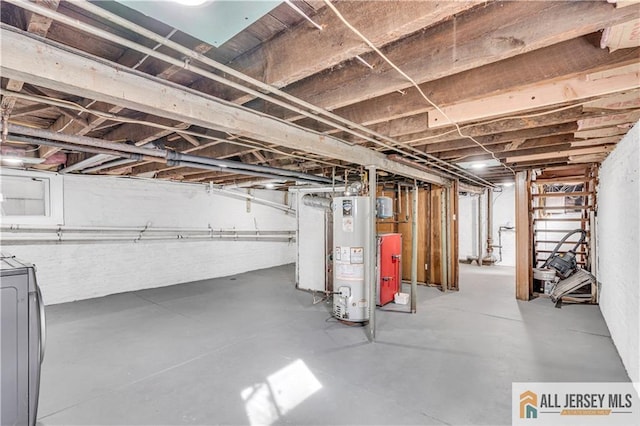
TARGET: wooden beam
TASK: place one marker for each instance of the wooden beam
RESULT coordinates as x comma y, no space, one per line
192,140
82,127
562,60
596,141
562,153
609,120
627,100
500,138
30,110
534,97
494,32
287,57
38,25
524,283
45,64
601,133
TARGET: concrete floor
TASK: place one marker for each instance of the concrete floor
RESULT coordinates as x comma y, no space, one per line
251,349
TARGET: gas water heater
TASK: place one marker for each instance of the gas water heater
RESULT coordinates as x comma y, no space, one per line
351,228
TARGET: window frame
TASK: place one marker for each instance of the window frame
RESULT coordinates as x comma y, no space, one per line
54,198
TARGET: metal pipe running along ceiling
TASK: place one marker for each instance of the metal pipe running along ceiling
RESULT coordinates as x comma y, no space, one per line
92,145
314,112
384,165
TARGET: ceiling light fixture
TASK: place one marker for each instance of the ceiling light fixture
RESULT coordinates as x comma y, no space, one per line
478,166
270,186
507,184
190,2
12,160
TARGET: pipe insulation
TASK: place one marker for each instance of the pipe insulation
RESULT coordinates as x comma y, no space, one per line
319,202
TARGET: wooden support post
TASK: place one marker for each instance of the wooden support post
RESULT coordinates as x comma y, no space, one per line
453,235
444,240
524,274
414,248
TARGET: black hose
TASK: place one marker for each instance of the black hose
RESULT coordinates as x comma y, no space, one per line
565,238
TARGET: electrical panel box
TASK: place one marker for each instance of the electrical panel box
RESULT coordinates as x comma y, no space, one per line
389,267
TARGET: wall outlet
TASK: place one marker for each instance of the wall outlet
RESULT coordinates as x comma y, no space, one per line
426,267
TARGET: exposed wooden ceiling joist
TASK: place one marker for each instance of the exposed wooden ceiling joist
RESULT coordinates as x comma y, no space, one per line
50,66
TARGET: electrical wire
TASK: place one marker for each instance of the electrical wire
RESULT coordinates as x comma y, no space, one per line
412,81
498,120
347,125
304,15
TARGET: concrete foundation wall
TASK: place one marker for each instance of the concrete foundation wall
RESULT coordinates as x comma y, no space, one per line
618,235
69,272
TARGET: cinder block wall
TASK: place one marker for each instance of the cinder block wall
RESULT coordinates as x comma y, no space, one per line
618,235
69,272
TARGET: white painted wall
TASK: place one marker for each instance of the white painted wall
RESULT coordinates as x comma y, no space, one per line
503,214
618,235
69,272
467,226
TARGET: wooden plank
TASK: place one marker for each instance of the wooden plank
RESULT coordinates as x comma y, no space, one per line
601,133
500,30
524,283
555,154
533,97
609,120
437,257
423,232
454,265
287,57
47,65
561,231
564,219
563,194
563,208
588,158
621,36
500,138
573,180
562,60
627,100
597,141
557,241
36,24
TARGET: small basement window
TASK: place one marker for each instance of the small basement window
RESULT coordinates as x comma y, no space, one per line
31,198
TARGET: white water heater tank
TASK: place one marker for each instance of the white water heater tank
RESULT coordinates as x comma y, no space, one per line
351,228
